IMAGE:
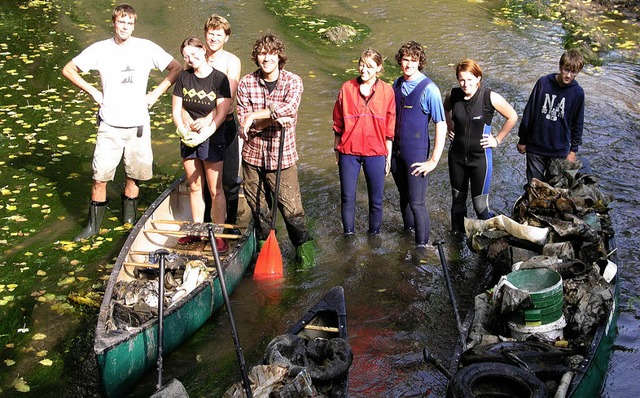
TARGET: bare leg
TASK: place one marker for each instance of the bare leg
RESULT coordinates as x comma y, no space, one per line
131,189
214,180
99,191
195,177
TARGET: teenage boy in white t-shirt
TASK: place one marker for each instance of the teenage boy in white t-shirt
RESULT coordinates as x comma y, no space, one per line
124,63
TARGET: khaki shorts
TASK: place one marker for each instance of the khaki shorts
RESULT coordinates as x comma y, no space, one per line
116,143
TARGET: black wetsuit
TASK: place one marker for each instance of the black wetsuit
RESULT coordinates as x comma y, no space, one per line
469,163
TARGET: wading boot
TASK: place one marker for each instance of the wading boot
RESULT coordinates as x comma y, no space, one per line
129,209
96,213
457,223
306,255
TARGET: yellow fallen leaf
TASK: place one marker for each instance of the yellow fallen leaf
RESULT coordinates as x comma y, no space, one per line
39,336
9,362
42,353
66,281
21,385
46,362
41,273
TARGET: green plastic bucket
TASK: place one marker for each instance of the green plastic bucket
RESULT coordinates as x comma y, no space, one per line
545,289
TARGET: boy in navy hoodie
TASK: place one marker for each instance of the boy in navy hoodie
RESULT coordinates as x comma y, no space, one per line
551,126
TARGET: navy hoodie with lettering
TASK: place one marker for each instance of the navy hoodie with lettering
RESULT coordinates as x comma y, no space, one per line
553,118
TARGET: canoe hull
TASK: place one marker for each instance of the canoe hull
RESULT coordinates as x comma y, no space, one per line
123,357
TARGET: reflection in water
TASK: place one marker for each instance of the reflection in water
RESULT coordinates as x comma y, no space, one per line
396,299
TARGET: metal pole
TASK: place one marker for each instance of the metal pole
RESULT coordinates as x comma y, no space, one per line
227,303
161,253
452,297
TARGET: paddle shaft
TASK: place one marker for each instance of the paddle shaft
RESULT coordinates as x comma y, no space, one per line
160,343
227,303
274,211
452,297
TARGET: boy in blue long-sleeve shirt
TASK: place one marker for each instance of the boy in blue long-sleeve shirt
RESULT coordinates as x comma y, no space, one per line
552,122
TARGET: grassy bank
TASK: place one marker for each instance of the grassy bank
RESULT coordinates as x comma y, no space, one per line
49,285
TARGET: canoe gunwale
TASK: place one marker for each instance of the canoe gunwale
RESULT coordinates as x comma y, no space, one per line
204,298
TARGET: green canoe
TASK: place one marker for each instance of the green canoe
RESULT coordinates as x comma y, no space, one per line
563,356
125,342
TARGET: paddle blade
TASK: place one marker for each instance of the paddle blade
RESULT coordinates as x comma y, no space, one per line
269,263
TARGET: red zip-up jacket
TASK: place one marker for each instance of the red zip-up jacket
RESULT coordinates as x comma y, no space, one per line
364,124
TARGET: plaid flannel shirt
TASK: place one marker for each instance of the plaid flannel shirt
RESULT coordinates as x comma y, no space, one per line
261,147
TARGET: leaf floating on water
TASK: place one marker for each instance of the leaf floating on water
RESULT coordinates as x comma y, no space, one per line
39,336
21,385
66,281
90,300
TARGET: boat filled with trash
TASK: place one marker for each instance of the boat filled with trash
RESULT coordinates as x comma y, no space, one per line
547,327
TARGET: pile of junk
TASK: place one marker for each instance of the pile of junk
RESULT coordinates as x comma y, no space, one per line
555,266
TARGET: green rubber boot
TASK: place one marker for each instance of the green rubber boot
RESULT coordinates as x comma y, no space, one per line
96,213
306,255
129,210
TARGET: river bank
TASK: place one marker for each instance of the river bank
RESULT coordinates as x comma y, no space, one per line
602,30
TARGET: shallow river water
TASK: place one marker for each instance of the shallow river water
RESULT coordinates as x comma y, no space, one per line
396,305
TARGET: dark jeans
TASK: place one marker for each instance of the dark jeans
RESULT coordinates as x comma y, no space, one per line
259,186
538,166
373,166
413,196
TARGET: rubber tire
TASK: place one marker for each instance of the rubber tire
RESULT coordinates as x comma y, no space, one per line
494,352
490,379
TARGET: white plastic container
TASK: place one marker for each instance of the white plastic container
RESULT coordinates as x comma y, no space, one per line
552,331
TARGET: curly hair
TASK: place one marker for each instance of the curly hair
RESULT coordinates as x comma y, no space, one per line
415,51
271,44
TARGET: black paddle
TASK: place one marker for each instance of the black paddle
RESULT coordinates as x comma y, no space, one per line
429,358
174,388
234,332
452,297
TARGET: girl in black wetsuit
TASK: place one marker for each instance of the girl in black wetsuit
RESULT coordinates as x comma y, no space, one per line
469,111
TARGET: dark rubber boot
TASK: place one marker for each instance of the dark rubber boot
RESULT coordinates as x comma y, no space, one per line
457,223
96,213
129,210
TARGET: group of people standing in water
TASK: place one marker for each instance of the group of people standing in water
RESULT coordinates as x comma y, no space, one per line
378,127
382,128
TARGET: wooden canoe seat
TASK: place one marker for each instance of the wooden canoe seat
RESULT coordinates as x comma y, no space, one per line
322,328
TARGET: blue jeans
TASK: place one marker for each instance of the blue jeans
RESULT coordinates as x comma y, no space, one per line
413,196
373,166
